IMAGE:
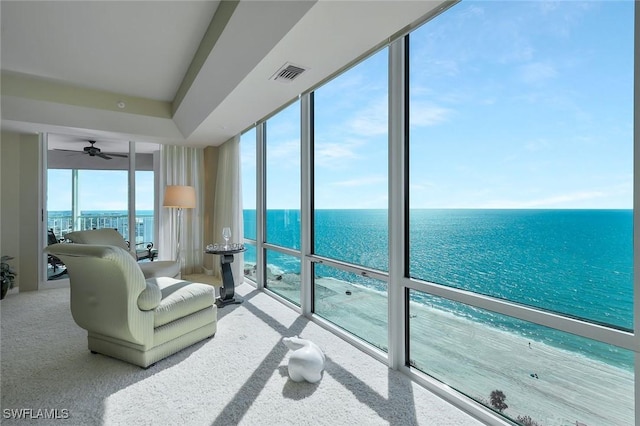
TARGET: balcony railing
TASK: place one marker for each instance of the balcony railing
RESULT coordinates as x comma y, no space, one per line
63,224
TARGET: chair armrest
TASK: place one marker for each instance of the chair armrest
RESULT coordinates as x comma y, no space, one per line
106,283
146,251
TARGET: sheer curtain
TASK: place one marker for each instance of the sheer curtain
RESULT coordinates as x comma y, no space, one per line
182,166
227,204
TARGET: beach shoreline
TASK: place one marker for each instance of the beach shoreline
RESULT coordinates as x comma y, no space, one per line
548,384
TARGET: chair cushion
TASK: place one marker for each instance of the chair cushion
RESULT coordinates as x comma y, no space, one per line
180,299
111,237
160,268
104,237
150,297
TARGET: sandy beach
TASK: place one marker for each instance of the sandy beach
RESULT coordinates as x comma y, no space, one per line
550,385
565,387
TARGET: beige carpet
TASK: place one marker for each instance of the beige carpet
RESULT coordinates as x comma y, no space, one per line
207,279
237,377
203,278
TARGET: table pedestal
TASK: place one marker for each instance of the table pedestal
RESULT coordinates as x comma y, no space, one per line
227,290
227,296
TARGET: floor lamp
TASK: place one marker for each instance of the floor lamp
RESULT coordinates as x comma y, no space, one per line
179,197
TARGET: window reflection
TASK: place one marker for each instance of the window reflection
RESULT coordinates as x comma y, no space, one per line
283,275
355,303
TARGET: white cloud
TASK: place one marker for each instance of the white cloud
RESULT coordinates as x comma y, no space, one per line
364,181
424,114
288,150
371,121
537,145
421,186
248,156
537,72
334,155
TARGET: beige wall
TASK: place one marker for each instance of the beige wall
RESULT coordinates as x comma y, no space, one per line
20,218
210,172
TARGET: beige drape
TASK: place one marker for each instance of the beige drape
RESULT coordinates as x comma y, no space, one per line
182,166
227,208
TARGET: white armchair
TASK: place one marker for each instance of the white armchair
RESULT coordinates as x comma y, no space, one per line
111,237
127,317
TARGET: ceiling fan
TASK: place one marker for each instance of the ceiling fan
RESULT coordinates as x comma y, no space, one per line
94,151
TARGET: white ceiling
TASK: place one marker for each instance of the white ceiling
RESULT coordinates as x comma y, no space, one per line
140,51
139,48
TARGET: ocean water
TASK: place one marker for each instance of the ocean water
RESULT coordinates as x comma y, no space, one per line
575,262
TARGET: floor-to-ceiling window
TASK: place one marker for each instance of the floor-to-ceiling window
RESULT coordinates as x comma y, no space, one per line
249,186
350,221
91,192
521,166
145,217
518,218
59,215
282,203
59,201
96,211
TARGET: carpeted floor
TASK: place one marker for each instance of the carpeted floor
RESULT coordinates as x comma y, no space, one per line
237,377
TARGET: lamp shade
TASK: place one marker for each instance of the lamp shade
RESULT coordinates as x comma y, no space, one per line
180,196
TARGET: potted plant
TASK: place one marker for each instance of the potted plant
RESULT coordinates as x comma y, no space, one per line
8,275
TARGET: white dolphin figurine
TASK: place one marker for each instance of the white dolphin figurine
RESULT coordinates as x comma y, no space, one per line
307,360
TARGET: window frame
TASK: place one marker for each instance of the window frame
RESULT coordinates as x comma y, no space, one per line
398,280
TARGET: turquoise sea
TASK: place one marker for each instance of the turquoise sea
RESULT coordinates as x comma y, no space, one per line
576,262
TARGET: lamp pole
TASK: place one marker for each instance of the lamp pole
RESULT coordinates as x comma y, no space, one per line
179,231
179,197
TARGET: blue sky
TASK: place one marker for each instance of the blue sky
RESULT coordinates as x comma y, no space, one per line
513,105
98,190
524,105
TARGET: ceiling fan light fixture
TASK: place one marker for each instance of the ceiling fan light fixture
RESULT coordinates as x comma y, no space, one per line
94,151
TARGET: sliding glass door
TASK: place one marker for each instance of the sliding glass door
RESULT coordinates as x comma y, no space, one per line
92,192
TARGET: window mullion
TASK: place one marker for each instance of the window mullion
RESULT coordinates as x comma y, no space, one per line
260,204
397,165
306,119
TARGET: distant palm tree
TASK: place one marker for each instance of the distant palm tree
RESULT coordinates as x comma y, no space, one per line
496,399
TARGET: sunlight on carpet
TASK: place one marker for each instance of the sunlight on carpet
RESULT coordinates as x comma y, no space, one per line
237,377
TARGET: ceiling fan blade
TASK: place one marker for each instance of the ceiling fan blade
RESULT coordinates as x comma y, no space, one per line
69,150
94,151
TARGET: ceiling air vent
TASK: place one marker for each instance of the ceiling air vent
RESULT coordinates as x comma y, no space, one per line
287,73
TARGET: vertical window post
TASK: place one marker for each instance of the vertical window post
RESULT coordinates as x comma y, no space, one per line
397,196
306,197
